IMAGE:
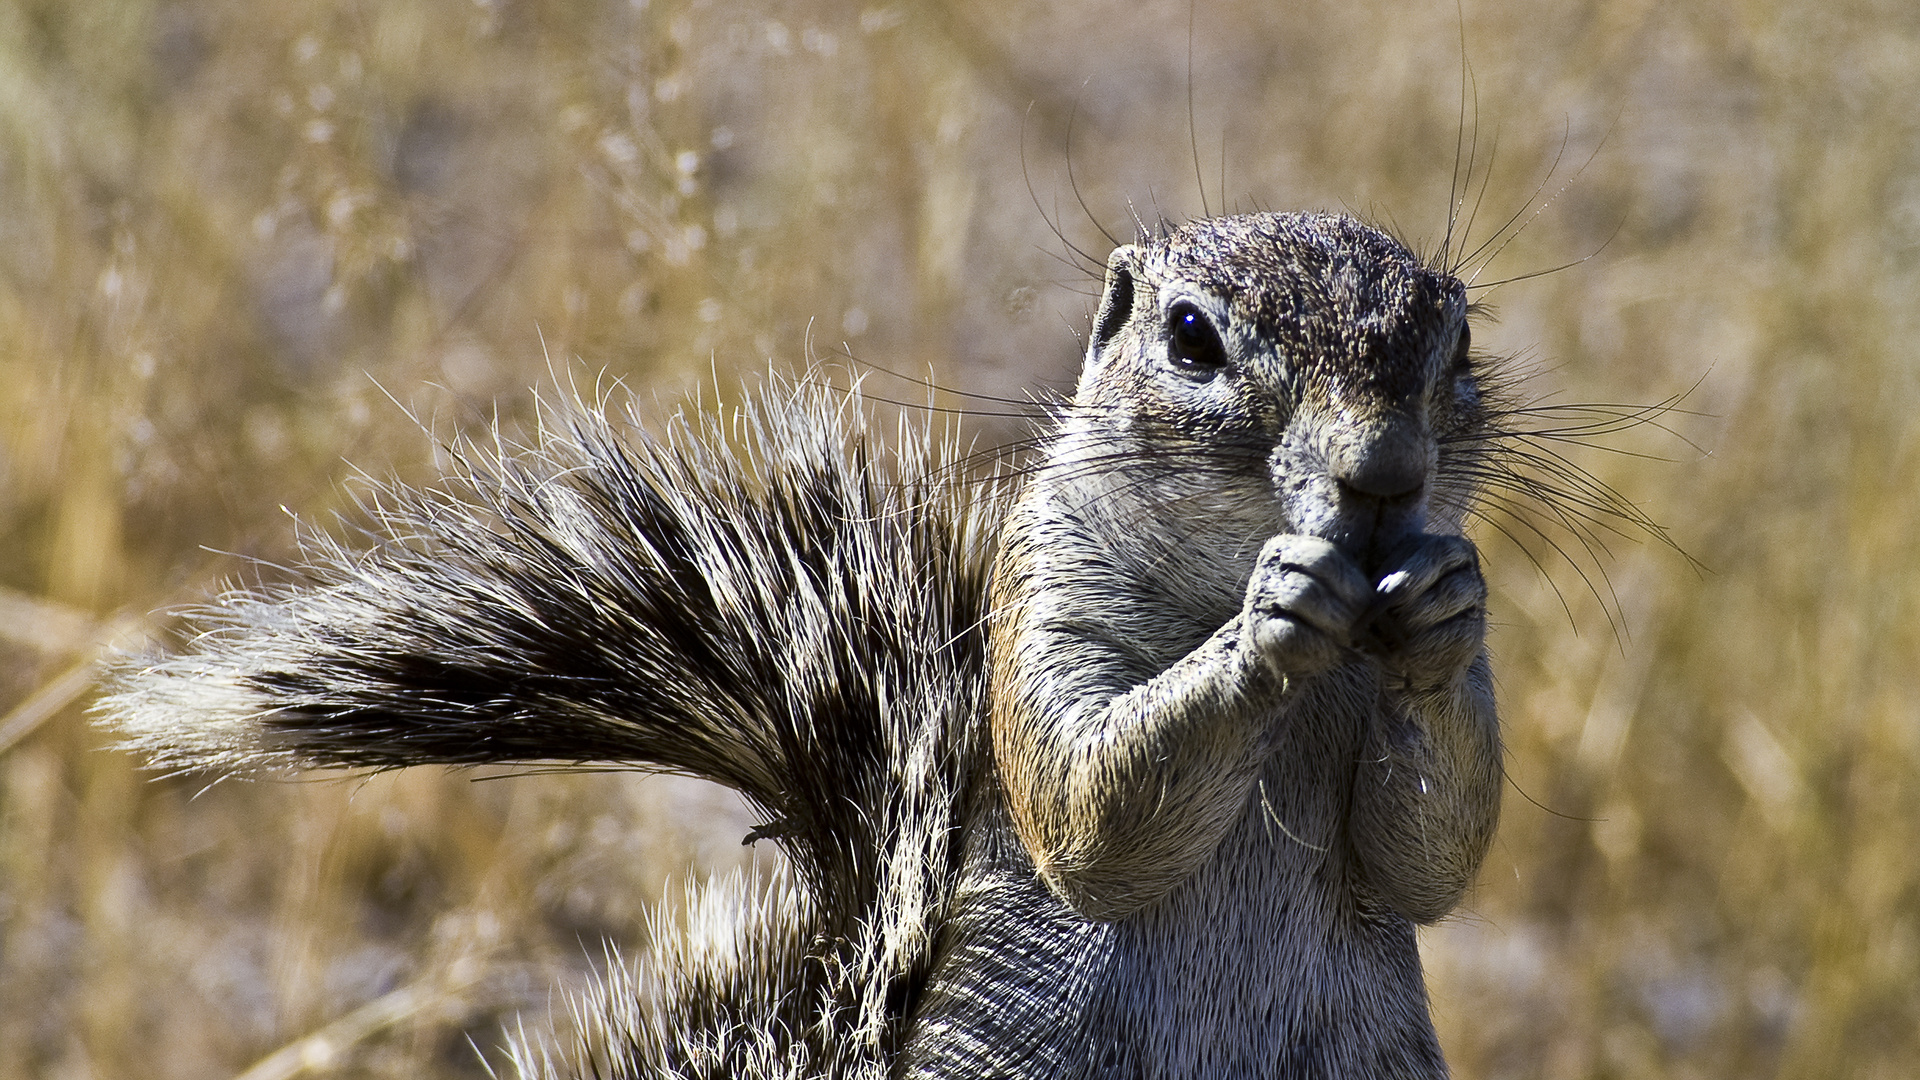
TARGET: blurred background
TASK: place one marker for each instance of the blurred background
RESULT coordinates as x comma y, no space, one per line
247,249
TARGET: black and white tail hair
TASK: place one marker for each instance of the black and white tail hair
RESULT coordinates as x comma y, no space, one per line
771,598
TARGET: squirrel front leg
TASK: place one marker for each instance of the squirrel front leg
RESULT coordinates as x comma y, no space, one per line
1427,792
1122,787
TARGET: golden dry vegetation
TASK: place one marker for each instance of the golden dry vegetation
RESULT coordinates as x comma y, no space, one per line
230,230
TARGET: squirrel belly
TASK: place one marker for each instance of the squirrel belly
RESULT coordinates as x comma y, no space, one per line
1149,771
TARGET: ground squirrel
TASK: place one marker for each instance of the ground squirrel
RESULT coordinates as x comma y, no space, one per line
1156,786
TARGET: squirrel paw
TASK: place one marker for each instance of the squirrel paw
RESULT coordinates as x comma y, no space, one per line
1428,615
1302,603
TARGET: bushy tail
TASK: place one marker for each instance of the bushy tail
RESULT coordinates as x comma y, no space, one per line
765,598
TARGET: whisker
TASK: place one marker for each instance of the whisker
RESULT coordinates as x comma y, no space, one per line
1073,182
1092,264
1498,240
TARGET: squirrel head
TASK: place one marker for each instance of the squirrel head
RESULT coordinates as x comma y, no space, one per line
1306,361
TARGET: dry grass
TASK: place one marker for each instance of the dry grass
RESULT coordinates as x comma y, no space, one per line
226,226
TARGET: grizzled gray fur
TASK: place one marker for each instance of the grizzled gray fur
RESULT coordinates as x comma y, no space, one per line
1158,788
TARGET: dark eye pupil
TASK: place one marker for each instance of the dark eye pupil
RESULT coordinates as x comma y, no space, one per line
1194,345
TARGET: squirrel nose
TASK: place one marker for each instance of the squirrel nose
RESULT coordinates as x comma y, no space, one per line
1386,464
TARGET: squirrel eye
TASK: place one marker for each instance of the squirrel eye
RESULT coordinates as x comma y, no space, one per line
1461,361
1193,345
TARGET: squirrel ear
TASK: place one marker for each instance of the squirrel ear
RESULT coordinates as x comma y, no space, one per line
1116,303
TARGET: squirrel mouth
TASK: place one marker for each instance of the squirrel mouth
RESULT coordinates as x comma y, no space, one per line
1374,537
